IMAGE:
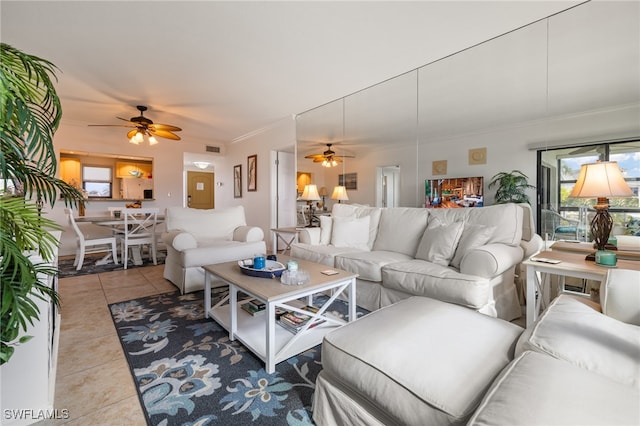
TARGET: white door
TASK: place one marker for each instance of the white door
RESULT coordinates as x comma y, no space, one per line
286,189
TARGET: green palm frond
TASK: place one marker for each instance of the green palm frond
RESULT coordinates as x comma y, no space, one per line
30,113
511,187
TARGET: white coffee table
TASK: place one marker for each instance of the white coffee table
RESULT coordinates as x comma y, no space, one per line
261,334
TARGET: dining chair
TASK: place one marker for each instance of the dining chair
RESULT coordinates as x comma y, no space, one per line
91,239
139,230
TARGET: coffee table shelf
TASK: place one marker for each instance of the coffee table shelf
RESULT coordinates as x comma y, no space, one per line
251,332
260,333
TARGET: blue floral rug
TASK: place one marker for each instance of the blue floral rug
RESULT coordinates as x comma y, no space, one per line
188,372
66,268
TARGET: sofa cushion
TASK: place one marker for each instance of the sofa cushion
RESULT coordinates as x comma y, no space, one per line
507,218
368,265
573,329
540,390
218,251
401,229
206,224
439,242
427,279
473,236
326,227
356,210
388,360
324,255
350,232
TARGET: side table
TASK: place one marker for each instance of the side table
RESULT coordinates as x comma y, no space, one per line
571,265
287,235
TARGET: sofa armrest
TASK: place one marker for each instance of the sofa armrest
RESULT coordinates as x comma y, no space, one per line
309,236
179,240
248,234
532,246
490,260
620,294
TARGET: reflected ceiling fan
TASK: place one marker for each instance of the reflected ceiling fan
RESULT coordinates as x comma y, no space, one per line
142,126
328,158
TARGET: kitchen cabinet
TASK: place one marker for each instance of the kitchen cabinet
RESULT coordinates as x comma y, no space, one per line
125,169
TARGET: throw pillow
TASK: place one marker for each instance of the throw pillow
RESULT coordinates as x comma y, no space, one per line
325,230
439,242
350,232
473,236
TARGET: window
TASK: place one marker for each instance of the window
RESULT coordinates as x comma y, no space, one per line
97,182
561,217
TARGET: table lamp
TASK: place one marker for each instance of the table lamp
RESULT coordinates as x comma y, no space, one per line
601,180
323,193
310,194
340,194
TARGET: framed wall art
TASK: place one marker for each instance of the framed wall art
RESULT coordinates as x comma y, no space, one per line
237,181
252,176
348,180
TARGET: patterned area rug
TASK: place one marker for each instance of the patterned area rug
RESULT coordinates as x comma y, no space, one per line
66,268
188,372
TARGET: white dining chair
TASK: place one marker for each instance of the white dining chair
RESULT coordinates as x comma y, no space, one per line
91,239
139,230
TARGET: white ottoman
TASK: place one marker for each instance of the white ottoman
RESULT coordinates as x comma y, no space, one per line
419,361
537,389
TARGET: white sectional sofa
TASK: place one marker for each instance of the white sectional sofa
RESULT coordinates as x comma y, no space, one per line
195,238
422,361
463,256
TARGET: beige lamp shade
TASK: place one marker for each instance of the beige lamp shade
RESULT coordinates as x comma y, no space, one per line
323,191
310,193
340,193
601,180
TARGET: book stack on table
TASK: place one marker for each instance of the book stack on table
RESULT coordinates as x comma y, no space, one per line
294,321
254,307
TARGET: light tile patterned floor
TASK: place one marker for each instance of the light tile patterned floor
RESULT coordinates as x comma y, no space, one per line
93,380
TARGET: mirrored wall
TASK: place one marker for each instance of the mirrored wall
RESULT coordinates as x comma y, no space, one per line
571,77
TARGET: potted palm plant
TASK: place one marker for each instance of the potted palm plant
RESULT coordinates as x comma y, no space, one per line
512,187
30,113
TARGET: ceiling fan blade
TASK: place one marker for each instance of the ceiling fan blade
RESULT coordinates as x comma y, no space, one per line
156,127
164,134
124,119
110,125
132,133
320,156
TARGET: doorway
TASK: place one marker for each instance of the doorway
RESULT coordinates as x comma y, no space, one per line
200,190
387,186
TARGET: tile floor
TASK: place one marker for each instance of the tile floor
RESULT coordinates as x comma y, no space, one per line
93,380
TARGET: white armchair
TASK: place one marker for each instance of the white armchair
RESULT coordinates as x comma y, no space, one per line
195,238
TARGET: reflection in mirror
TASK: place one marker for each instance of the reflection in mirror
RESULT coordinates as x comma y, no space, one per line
108,177
571,77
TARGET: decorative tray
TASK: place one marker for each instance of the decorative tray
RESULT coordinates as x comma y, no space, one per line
272,269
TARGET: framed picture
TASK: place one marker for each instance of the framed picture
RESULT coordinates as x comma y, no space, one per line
237,181
348,180
252,177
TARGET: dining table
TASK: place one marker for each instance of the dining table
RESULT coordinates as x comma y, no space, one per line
115,223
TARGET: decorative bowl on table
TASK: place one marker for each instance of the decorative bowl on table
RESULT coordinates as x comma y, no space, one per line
271,269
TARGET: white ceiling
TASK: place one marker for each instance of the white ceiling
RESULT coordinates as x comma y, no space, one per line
222,70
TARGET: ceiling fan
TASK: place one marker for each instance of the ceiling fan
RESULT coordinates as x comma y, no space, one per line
142,126
328,158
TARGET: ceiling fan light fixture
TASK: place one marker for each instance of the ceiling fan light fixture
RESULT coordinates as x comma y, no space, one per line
152,140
